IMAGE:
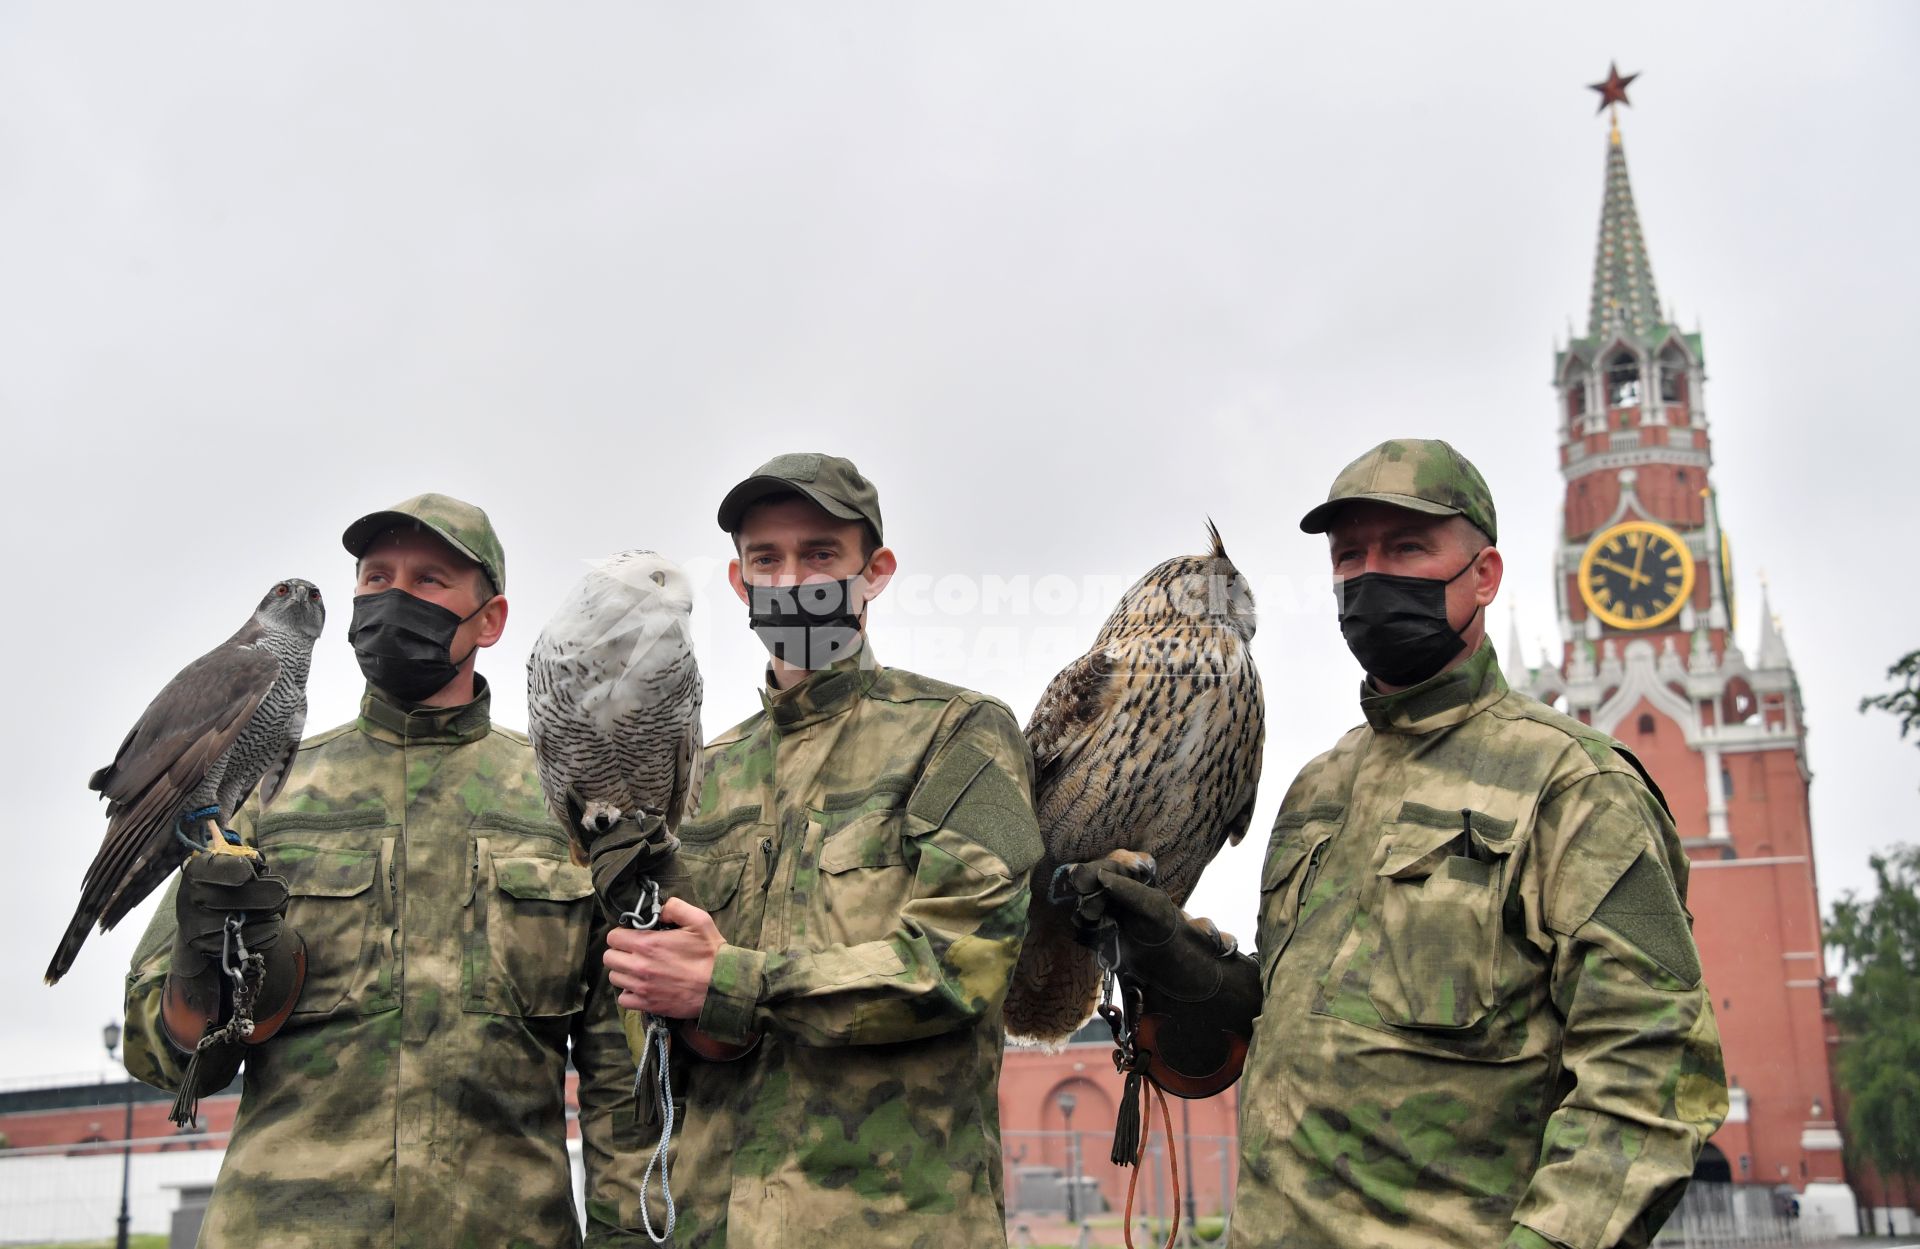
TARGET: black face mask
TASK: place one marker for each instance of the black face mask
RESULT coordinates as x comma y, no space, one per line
1397,626
809,626
404,643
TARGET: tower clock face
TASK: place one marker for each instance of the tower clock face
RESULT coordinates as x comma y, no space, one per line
1636,575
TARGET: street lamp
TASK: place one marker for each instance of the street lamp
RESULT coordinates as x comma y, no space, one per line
1066,1103
111,1035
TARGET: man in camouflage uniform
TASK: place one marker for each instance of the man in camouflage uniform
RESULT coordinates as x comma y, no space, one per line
1483,1017
416,1095
852,894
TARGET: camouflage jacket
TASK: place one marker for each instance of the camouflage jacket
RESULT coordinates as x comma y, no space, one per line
415,1098
863,845
1484,1018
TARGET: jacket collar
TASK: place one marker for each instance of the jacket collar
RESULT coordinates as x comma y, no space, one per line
1439,702
403,724
825,693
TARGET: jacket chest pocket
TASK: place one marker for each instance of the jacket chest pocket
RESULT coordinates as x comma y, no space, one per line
1438,901
532,917
712,860
339,901
711,881
863,878
1293,860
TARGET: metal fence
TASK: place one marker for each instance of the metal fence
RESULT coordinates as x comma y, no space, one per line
1042,1189
1729,1214
56,1193
72,1192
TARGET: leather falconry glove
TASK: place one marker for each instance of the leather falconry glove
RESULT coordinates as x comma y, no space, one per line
634,871
1198,994
229,906
625,859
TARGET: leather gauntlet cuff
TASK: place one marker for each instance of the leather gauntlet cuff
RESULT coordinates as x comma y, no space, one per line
1197,994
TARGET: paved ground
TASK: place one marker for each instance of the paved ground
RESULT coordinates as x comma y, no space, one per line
1043,1232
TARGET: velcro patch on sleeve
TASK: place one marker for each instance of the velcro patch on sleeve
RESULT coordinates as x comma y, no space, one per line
943,786
1643,909
967,794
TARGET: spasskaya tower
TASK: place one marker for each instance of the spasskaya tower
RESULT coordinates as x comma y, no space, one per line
1644,586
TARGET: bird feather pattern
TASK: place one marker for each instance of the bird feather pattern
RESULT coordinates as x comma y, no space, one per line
1151,741
613,698
228,723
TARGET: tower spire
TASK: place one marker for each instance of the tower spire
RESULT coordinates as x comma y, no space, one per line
1625,300
1773,644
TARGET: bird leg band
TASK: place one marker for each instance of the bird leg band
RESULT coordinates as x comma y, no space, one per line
218,840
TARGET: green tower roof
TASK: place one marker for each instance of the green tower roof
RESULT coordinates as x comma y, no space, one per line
1625,301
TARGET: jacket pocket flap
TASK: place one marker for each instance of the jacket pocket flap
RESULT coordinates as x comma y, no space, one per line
873,840
542,880
707,881
1280,864
317,872
1418,848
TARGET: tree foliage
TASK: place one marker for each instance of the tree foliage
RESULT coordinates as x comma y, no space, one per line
1903,701
1878,940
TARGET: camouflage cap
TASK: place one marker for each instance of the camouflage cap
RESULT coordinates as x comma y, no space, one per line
464,527
829,480
1419,474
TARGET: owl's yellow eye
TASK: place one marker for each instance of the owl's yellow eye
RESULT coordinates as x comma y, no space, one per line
659,578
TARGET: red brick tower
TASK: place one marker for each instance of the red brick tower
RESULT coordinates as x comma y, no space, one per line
1646,609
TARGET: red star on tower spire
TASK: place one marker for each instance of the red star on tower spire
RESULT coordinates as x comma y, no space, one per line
1614,89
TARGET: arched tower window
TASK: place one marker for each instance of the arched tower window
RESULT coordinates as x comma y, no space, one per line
1623,381
1646,725
1738,704
1673,376
1576,394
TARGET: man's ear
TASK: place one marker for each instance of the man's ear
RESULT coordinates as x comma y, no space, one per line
1486,576
881,566
734,579
493,621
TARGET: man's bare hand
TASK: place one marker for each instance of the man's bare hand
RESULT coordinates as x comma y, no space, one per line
665,971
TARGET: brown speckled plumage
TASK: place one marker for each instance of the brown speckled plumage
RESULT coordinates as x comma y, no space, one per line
1151,741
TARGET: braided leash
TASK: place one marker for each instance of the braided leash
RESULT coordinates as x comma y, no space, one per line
644,916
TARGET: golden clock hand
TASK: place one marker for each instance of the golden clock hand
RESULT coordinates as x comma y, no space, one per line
1635,577
1639,557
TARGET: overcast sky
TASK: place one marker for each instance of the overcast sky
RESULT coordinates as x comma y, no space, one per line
1064,279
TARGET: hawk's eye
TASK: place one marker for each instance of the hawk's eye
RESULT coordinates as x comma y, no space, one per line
281,590
659,578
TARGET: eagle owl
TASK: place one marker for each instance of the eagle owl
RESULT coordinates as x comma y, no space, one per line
227,723
1151,742
613,698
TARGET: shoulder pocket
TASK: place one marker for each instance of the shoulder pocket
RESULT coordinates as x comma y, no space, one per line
1437,905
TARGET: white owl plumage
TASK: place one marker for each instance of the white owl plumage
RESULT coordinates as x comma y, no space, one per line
613,697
